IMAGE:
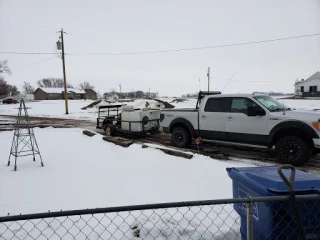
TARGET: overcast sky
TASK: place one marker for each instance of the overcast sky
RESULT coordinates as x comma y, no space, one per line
133,26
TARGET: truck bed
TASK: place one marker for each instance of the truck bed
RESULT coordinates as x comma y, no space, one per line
169,116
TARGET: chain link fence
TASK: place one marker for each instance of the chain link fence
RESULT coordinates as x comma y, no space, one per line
243,218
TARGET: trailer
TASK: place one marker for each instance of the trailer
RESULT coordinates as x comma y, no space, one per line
121,118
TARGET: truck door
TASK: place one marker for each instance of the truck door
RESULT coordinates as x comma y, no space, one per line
243,128
212,119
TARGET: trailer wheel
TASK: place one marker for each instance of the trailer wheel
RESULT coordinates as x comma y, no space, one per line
109,130
180,137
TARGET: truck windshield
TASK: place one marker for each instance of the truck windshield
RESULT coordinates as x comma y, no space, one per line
272,104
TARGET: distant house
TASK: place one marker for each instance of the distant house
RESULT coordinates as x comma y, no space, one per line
58,93
90,94
309,88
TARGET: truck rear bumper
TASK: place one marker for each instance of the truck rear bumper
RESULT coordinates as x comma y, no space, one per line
316,142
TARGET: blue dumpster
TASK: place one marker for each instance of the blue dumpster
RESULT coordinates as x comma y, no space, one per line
276,220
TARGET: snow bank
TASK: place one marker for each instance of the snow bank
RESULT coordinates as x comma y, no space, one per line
301,104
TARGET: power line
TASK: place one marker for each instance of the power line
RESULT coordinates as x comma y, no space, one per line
175,50
34,63
201,48
228,82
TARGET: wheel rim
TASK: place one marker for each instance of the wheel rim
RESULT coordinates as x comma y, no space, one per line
291,152
179,138
108,131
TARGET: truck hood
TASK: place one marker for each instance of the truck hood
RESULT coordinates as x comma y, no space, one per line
297,114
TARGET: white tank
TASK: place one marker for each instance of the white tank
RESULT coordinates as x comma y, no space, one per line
132,115
152,115
127,108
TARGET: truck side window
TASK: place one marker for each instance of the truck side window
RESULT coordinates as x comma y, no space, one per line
215,105
240,105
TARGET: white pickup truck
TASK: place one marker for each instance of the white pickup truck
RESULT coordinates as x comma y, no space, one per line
246,119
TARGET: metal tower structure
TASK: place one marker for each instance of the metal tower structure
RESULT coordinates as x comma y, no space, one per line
24,142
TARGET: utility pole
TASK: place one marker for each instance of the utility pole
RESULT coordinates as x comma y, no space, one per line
120,87
60,46
208,74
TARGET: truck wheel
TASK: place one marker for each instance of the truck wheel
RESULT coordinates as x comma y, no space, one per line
292,150
180,137
109,131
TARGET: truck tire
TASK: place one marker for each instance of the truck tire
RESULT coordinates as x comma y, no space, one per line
292,150
180,137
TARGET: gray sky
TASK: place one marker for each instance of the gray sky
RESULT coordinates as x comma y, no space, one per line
133,26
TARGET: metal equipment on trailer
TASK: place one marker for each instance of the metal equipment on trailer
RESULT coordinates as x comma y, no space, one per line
126,119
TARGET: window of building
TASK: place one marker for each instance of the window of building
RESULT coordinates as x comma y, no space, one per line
312,88
302,89
215,105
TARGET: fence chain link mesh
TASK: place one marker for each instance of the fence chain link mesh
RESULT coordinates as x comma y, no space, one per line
271,220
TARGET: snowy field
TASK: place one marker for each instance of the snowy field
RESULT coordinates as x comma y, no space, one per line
56,108
53,108
83,172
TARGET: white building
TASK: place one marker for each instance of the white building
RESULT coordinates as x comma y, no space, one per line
309,87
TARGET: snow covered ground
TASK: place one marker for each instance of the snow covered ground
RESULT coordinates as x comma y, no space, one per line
83,172
53,108
96,173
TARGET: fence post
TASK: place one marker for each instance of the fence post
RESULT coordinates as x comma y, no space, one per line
249,221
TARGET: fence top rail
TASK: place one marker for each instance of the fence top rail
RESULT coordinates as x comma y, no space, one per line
61,213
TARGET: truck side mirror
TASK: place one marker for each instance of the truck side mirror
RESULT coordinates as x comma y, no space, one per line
255,111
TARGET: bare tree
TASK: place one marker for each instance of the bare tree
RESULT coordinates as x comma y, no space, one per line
139,94
86,85
27,88
52,83
3,87
4,68
13,90
45,83
7,89
58,83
